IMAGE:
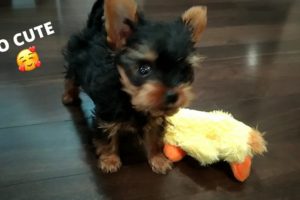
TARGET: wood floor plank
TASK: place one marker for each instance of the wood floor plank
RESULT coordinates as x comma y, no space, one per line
223,52
37,152
249,34
89,186
230,13
35,102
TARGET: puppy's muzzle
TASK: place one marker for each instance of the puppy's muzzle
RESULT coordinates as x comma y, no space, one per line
171,97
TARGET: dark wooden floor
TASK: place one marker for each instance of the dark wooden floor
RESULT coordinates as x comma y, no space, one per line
252,69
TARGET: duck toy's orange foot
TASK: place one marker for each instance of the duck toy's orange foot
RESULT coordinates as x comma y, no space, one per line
173,153
241,171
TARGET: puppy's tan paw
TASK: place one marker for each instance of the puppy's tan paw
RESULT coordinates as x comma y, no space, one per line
160,164
109,163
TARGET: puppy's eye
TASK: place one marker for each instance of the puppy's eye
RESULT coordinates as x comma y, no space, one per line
144,70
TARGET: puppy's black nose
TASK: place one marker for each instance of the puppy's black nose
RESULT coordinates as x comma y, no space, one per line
171,97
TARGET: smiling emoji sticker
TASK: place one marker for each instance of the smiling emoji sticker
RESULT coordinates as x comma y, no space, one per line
28,59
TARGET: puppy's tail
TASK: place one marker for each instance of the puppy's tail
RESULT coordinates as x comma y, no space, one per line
95,19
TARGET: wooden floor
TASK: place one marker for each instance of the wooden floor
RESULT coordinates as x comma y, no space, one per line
252,69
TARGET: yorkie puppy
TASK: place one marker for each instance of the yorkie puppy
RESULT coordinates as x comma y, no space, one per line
136,71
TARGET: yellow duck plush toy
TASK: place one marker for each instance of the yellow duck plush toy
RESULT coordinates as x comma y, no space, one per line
213,136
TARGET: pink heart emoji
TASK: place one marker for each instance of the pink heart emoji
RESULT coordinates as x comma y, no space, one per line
32,48
38,64
22,68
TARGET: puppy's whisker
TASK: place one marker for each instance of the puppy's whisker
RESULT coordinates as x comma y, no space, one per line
195,60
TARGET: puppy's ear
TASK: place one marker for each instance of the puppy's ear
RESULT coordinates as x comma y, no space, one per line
195,19
119,16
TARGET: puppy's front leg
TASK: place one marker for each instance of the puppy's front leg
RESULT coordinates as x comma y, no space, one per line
153,139
108,149
71,93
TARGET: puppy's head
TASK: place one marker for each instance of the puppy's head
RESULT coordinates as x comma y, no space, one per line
154,59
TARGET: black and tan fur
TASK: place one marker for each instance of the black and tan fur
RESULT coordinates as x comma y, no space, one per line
136,71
